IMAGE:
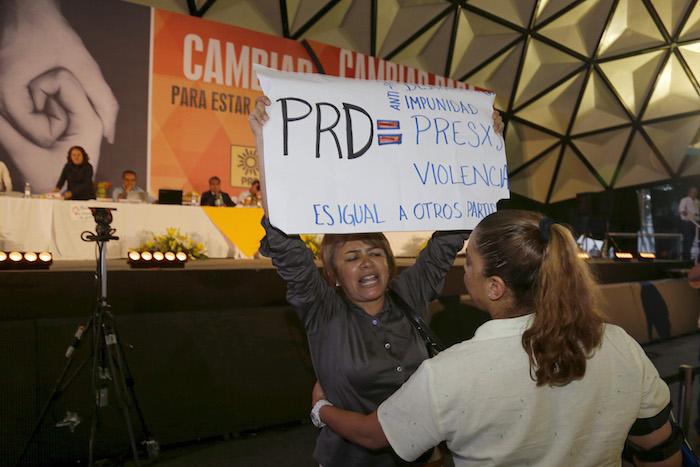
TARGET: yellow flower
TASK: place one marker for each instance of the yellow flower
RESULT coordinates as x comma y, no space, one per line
174,241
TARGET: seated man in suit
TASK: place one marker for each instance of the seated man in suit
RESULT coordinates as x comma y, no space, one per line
216,197
128,189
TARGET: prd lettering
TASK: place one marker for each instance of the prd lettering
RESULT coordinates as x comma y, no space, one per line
322,109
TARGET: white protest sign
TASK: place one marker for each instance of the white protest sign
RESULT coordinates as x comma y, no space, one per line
345,155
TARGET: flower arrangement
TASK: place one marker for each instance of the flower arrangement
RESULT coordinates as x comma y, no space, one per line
312,243
174,241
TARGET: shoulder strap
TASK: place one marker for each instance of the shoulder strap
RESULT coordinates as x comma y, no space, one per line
432,342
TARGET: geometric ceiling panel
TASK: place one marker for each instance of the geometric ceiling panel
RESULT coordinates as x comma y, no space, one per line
262,15
631,29
478,39
499,75
329,29
691,55
418,53
524,143
545,66
554,109
692,167
633,77
640,165
671,12
534,181
673,138
358,13
548,8
573,177
602,151
691,30
580,29
674,92
387,11
406,22
598,109
304,12
517,12
433,55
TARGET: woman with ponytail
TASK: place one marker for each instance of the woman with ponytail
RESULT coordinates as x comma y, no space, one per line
546,382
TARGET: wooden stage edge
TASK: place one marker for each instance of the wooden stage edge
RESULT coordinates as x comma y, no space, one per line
673,268
216,284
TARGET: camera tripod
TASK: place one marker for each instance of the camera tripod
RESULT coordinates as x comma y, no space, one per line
108,363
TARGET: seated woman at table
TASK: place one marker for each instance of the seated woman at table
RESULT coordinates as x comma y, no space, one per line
5,180
361,339
546,382
78,174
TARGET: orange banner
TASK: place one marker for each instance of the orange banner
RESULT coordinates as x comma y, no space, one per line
203,88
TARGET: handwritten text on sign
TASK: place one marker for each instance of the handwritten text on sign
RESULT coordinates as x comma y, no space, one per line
344,155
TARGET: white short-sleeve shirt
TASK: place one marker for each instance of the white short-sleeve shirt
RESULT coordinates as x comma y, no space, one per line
690,206
480,398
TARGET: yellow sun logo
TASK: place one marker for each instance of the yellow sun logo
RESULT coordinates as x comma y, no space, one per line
248,161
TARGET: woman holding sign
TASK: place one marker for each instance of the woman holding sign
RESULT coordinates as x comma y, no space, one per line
362,344
546,382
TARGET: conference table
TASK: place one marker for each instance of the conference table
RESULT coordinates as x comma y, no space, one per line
56,225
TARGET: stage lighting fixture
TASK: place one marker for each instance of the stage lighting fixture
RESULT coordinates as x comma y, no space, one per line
30,256
584,255
46,257
157,259
622,256
646,256
25,260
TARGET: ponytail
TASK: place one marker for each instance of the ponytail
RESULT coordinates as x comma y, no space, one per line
567,326
537,260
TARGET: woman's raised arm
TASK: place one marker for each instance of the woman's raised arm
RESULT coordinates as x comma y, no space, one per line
257,119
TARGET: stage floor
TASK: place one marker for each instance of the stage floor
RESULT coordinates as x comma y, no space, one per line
293,444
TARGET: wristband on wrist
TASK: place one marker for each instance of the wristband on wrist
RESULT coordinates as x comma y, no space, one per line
315,417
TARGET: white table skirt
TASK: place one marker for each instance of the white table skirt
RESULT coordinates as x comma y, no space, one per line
33,224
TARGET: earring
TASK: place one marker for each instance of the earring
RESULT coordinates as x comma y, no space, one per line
337,284
489,295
